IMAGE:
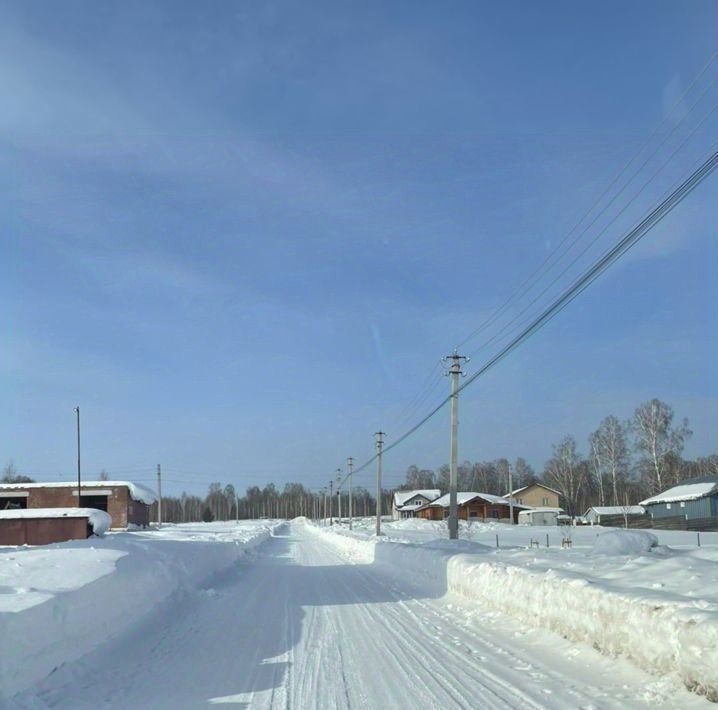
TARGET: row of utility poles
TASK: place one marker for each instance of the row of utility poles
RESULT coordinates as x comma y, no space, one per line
455,373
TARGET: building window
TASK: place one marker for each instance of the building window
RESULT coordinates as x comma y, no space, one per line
683,504
668,506
544,501
12,502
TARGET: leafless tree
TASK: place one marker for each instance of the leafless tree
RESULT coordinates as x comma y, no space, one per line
610,457
657,440
565,472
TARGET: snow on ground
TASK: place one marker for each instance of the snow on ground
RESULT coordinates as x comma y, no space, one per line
58,602
658,608
300,626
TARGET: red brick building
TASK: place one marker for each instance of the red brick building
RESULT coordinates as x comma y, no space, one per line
127,503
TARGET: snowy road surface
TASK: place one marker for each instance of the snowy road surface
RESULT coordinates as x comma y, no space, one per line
302,627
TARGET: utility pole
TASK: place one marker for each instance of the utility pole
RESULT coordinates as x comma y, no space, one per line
350,466
79,481
159,496
236,503
324,512
511,498
339,493
455,372
331,502
379,436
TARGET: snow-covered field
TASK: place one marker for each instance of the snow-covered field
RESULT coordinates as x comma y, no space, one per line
61,601
270,615
658,607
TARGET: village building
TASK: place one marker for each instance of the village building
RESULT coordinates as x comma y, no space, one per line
543,516
695,500
471,506
613,515
406,503
127,503
43,526
537,495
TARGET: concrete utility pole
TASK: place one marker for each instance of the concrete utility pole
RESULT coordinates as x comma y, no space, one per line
455,372
379,436
331,502
350,466
511,498
339,493
79,481
159,496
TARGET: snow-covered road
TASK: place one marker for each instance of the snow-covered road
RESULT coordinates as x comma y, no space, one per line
300,626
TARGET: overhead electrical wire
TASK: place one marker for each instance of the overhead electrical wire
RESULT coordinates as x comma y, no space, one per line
541,271
601,232
575,289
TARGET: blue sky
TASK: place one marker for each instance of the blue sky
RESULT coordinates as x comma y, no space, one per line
239,235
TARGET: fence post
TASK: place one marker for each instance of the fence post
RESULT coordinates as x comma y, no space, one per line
698,535
497,541
546,539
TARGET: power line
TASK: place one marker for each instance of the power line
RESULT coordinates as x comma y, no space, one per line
579,285
603,231
532,280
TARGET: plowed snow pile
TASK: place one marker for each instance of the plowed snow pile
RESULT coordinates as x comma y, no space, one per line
617,590
60,601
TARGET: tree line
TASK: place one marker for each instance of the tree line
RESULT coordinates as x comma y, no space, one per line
625,462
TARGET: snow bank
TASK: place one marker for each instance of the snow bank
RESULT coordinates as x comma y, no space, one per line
624,542
660,632
61,601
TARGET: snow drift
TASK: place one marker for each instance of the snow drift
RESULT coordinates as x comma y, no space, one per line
625,542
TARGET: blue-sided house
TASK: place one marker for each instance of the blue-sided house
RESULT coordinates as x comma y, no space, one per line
695,499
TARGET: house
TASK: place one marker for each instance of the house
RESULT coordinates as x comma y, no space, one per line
543,516
537,495
471,506
127,503
406,503
695,499
42,526
612,515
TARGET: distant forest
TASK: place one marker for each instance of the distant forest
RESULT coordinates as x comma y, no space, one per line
624,462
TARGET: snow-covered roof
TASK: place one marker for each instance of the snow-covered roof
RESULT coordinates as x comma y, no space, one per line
541,485
688,490
543,510
616,510
139,493
400,497
99,520
464,497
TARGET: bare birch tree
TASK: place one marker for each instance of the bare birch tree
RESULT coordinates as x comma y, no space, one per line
610,457
564,472
657,439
